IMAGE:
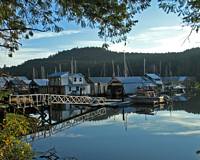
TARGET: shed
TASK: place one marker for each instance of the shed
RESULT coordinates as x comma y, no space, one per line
39,86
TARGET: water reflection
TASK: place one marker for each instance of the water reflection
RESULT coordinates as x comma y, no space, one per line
133,132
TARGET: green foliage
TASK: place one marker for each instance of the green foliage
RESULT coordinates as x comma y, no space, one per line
197,85
188,10
19,18
4,94
11,147
113,18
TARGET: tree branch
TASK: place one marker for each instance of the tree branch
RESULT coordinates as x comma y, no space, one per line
26,28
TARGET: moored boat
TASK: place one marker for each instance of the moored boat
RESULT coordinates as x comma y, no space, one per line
147,96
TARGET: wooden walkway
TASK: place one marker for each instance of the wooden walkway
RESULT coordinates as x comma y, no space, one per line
48,99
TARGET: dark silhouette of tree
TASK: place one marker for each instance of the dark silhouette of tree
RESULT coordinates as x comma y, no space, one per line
176,64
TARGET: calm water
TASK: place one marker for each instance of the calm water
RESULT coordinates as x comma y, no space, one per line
167,133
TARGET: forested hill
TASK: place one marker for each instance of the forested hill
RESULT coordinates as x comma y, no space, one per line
98,62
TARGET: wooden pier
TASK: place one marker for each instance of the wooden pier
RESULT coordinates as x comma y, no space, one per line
48,99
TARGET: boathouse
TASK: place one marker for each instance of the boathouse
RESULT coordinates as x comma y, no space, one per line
130,84
100,85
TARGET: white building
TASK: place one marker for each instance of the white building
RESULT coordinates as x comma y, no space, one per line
67,83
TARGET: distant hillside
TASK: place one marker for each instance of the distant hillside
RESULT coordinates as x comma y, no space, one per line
98,62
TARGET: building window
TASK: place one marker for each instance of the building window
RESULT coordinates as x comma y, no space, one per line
70,89
77,88
80,79
74,79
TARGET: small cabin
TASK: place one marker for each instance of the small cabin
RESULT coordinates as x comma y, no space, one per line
39,86
115,89
17,86
99,85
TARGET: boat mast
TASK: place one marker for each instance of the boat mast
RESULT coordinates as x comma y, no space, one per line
88,72
125,65
33,76
104,69
113,67
144,66
60,67
72,66
75,67
160,68
118,71
42,72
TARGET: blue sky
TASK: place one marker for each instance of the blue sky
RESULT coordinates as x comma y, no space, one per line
155,32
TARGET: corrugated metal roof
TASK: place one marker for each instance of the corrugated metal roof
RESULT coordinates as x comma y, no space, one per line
17,82
152,75
134,79
58,74
27,81
182,78
9,78
41,82
175,78
105,80
76,74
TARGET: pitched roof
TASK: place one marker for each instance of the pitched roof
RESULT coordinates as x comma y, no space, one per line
133,79
152,75
58,74
41,82
17,82
2,82
100,79
27,81
176,78
21,78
